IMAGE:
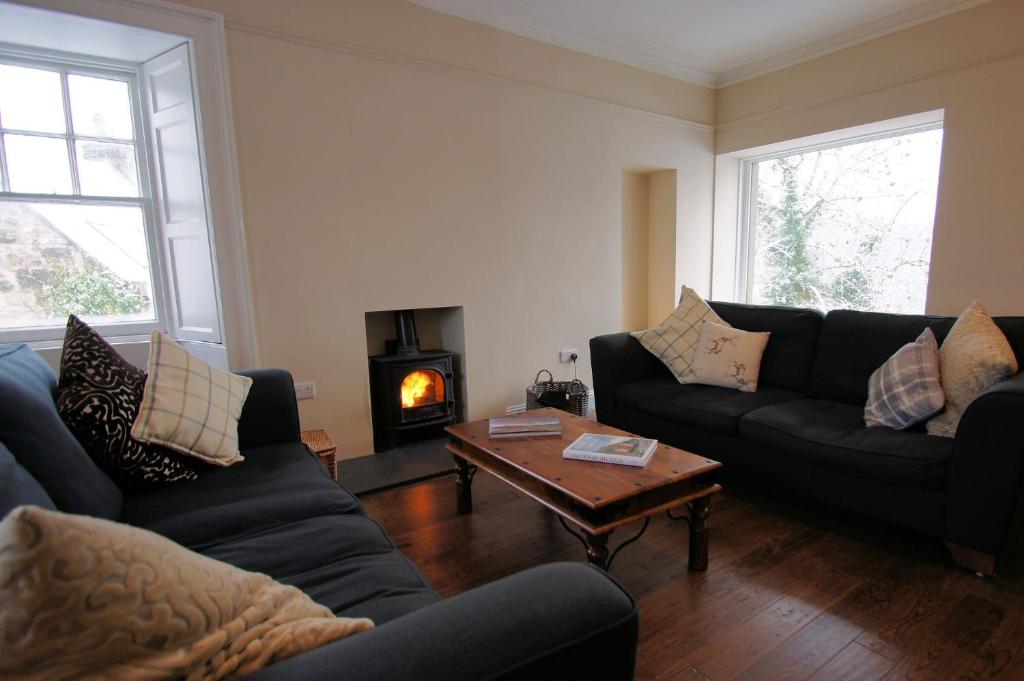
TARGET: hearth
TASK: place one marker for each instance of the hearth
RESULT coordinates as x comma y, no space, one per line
412,391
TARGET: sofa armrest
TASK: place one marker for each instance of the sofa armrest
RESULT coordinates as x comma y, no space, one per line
562,620
987,469
618,358
270,415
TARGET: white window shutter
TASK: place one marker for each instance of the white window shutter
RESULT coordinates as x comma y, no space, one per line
179,202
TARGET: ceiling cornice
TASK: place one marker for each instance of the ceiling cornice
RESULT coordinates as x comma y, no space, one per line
873,27
663,59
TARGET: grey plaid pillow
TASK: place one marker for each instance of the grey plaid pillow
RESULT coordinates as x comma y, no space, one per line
906,389
674,341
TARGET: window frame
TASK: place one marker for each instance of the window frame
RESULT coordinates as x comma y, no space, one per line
65,65
747,209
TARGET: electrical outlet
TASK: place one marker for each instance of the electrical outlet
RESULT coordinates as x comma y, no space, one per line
566,356
305,391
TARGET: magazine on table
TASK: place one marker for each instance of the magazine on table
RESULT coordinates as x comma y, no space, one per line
628,451
524,425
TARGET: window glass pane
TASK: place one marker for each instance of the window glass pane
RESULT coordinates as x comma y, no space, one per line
71,259
847,227
38,165
107,169
100,107
30,99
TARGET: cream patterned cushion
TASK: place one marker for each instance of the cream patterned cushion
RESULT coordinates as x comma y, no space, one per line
674,341
727,357
973,358
906,389
90,598
190,406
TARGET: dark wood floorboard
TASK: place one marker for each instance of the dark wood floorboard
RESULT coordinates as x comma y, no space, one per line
793,590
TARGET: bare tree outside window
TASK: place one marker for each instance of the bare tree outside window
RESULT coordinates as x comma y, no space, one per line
846,227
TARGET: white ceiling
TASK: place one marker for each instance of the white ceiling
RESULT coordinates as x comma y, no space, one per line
709,42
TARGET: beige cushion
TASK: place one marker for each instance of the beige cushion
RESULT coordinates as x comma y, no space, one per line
674,341
190,406
973,358
84,597
727,357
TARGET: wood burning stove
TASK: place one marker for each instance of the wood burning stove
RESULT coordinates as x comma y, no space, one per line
412,391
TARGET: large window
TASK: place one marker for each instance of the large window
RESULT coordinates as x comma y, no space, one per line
74,200
844,226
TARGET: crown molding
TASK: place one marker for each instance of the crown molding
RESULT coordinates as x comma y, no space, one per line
875,26
853,93
620,47
663,59
397,59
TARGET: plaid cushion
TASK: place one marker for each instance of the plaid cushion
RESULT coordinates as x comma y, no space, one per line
906,389
189,406
674,341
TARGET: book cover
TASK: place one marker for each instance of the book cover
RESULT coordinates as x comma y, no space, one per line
630,451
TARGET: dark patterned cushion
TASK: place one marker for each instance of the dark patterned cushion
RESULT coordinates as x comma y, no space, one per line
98,397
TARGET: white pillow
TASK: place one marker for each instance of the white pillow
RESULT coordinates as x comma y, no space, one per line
190,406
674,341
727,357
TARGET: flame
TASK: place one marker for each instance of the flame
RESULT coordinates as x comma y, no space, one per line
414,387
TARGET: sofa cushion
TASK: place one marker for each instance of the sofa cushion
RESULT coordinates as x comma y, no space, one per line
727,357
345,562
974,357
906,389
275,485
787,358
702,406
98,397
42,444
189,405
674,341
834,434
18,487
853,344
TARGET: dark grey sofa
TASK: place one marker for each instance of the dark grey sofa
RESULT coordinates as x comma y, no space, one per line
279,513
804,426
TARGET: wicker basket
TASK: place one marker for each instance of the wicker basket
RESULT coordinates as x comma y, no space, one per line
577,400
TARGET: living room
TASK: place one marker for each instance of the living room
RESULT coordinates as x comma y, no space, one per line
528,177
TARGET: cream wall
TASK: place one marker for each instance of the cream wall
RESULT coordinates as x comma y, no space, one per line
392,157
971,64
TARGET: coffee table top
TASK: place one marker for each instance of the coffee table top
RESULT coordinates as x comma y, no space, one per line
592,484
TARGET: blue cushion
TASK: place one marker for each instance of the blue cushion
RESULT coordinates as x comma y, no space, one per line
42,444
17,487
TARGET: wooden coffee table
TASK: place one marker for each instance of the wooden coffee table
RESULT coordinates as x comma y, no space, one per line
598,498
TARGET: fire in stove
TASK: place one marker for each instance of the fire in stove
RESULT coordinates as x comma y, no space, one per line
422,387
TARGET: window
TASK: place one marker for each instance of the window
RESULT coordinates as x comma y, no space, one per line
74,200
842,226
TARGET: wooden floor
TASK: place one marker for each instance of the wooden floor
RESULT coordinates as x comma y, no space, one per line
793,591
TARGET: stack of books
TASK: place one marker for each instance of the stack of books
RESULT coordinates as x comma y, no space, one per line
524,425
628,451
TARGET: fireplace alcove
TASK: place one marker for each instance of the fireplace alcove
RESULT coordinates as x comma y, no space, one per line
414,393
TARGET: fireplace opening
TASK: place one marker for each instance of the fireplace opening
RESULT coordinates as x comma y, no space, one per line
412,391
422,388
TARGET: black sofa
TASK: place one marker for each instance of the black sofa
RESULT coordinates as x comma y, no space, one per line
804,426
279,513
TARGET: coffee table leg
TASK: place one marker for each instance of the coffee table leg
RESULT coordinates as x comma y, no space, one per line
597,549
464,485
699,510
